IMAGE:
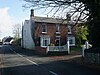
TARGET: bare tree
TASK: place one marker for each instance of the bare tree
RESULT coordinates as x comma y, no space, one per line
17,31
80,10
73,7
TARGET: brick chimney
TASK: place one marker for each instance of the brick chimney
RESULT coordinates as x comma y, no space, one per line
32,13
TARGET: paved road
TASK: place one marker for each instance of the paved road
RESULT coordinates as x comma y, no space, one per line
25,62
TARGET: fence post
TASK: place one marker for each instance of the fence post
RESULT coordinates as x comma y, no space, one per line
47,49
68,47
86,46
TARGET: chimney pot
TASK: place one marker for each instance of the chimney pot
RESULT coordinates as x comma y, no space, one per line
32,13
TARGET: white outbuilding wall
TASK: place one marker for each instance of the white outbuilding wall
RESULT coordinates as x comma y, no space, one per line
27,40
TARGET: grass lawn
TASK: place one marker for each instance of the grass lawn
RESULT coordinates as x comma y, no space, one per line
76,50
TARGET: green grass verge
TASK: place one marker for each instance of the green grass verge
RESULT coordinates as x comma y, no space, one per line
76,49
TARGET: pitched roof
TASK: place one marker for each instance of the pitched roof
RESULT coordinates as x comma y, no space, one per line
48,20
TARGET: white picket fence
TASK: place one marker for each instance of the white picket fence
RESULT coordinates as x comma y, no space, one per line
56,48
59,48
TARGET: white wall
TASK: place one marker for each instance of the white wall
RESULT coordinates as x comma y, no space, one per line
27,39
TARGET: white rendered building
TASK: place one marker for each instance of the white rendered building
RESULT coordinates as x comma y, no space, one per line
27,39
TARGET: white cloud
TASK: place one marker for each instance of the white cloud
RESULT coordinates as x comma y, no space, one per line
6,22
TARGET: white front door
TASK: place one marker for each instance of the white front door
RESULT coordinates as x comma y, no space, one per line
57,41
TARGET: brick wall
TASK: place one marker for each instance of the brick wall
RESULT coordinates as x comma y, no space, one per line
51,31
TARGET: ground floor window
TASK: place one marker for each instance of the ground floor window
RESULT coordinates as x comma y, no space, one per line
45,41
71,40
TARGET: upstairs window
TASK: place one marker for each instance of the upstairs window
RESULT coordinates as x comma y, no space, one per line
69,30
44,28
57,28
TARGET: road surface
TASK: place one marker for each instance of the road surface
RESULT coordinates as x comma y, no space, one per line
16,61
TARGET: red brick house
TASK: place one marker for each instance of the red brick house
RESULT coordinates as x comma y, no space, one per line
52,31
48,31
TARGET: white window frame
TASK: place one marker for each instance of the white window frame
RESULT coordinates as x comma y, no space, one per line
69,30
45,27
57,28
43,38
73,40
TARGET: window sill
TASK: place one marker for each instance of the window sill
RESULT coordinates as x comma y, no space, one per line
69,33
44,32
57,32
